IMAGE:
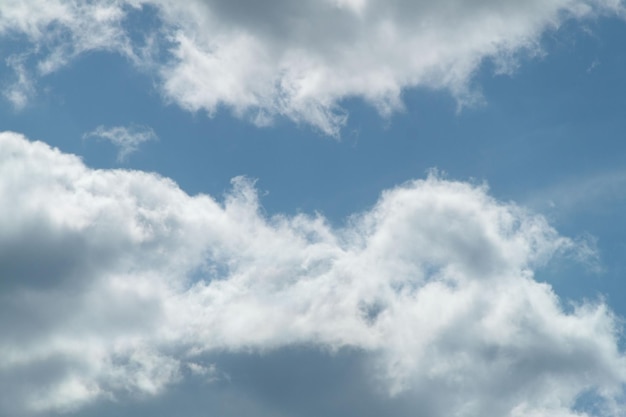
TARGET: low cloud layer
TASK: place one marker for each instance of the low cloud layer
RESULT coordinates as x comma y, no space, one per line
295,60
116,283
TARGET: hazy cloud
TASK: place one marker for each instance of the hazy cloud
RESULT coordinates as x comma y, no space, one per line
21,90
126,139
590,192
136,282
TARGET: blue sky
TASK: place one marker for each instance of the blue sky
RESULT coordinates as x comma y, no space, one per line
348,207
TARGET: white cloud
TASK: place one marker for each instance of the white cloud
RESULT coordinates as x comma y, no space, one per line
298,60
22,89
116,282
65,29
126,138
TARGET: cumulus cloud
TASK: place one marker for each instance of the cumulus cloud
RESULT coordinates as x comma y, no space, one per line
116,283
126,138
297,60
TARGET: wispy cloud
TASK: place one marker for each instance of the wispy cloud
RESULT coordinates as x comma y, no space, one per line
583,193
22,89
127,139
116,282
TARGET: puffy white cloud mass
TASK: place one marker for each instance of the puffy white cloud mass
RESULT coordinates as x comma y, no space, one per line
293,59
117,282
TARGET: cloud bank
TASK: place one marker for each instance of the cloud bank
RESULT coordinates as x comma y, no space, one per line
296,60
115,283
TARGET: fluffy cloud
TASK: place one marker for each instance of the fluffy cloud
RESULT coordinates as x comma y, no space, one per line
297,60
117,283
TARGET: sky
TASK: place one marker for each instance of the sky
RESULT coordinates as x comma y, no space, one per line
315,208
